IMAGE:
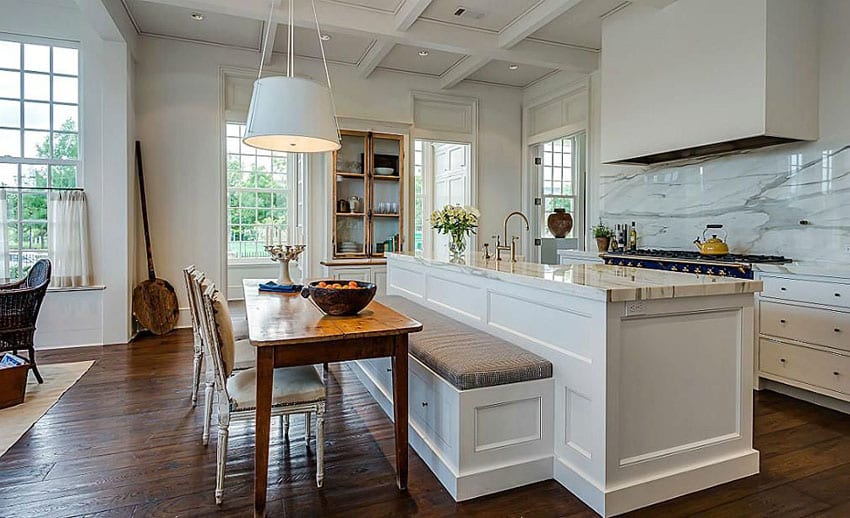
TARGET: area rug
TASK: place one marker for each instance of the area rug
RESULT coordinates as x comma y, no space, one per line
58,377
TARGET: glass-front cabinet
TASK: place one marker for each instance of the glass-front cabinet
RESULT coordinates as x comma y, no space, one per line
367,192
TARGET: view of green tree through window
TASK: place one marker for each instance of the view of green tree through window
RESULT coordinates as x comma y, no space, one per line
259,197
39,140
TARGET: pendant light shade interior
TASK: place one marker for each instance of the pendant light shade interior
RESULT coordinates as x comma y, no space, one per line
291,114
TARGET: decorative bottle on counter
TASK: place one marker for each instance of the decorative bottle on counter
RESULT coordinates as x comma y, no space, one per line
633,237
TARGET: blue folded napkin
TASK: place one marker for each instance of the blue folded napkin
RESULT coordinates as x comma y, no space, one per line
280,288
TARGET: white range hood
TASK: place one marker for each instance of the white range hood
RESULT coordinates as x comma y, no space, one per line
701,77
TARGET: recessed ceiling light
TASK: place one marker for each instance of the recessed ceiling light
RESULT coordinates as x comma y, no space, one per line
423,53
513,67
197,16
326,37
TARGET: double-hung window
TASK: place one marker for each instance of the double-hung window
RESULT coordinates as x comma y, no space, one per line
264,198
39,141
562,180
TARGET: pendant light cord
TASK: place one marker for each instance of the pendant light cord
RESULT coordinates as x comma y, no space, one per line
266,38
327,73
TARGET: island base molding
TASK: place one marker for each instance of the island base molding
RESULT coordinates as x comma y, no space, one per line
643,493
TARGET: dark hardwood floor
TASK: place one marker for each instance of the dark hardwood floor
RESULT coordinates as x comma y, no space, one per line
124,441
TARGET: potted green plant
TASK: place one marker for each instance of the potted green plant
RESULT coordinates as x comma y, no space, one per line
603,235
458,222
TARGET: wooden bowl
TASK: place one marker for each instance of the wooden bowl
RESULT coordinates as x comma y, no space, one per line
340,302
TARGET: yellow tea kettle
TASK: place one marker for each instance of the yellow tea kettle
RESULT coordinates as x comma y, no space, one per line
713,245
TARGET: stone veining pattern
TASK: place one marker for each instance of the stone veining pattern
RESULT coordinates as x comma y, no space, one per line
760,197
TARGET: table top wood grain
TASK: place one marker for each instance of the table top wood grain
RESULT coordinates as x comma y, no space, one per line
288,318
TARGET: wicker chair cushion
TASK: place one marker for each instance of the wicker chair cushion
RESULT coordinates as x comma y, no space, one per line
292,385
464,356
224,326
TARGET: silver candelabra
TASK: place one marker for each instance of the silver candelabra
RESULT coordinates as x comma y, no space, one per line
283,254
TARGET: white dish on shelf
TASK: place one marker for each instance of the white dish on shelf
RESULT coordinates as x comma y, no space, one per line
384,171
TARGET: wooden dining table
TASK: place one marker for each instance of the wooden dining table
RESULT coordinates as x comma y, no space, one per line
289,330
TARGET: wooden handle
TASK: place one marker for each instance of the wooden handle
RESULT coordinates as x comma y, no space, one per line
151,271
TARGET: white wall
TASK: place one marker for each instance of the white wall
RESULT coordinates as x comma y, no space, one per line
100,316
759,196
178,105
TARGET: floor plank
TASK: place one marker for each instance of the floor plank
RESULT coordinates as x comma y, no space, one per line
124,441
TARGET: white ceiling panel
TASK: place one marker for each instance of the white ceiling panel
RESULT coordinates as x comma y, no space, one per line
379,5
167,20
407,59
499,72
493,15
580,26
341,48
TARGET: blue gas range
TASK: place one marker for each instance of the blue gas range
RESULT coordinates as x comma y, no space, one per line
731,265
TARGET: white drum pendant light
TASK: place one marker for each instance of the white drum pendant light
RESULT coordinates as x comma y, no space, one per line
289,113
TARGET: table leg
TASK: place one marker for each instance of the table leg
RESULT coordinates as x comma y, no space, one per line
400,408
265,375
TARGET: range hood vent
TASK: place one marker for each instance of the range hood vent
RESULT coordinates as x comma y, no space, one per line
720,148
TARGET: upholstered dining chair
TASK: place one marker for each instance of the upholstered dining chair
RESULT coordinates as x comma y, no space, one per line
295,389
245,355
240,329
20,303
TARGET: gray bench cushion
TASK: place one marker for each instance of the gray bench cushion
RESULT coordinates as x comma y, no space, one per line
464,356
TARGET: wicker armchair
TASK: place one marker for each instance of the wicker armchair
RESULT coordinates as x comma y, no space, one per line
20,302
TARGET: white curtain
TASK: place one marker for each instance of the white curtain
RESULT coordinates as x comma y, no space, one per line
4,236
68,238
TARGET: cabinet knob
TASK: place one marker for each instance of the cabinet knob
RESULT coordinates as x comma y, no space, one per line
424,403
389,370
836,373
837,294
781,320
837,330
783,288
781,360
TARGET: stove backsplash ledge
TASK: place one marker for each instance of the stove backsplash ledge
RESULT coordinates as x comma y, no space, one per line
760,197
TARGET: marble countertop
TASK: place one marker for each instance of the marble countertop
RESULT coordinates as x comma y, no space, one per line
815,268
596,281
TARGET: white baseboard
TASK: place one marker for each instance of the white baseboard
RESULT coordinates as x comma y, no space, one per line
642,493
805,395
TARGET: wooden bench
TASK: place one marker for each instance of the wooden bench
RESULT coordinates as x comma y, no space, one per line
479,407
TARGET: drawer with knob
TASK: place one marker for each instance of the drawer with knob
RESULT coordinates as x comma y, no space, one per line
805,324
810,366
815,292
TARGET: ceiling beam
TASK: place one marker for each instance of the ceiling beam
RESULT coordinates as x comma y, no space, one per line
409,12
269,48
373,57
342,18
534,19
461,71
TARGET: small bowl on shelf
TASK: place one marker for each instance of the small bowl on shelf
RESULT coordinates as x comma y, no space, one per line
348,299
384,171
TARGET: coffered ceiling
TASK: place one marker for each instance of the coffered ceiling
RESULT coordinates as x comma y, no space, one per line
502,42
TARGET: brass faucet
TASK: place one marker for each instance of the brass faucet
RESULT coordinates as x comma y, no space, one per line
512,246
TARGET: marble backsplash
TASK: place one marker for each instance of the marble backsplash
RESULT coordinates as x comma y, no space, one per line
760,197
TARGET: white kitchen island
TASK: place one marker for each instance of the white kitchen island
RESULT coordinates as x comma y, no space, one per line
652,370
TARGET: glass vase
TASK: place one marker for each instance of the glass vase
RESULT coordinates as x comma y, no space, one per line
457,246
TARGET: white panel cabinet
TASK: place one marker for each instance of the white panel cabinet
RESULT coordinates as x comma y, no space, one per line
376,274
705,72
804,334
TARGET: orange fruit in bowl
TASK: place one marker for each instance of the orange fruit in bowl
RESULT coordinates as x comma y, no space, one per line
322,284
353,284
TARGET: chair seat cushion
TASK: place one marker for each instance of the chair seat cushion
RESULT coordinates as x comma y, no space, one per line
464,356
292,385
240,329
245,355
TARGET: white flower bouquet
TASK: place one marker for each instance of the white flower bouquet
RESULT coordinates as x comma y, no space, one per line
458,222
